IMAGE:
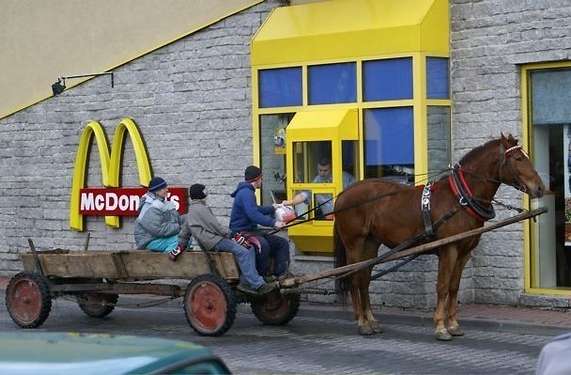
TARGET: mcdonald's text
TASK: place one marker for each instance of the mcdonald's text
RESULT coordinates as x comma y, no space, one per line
123,201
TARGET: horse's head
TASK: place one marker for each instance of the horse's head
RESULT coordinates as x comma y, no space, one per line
516,169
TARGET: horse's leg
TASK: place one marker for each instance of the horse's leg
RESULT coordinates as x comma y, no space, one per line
355,254
371,250
453,325
446,263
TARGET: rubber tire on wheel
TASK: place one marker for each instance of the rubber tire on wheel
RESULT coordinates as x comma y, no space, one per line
209,305
97,305
28,299
276,309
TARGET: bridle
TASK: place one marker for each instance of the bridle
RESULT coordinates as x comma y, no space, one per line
476,207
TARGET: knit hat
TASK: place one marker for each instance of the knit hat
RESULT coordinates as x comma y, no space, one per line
196,191
252,173
157,184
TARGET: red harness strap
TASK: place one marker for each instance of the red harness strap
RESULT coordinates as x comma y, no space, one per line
458,195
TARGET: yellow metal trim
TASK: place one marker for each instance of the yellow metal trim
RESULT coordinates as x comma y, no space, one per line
420,120
357,28
530,243
545,292
110,164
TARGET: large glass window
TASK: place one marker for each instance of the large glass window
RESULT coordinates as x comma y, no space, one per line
438,132
389,143
272,156
313,165
332,83
437,78
389,79
551,135
280,87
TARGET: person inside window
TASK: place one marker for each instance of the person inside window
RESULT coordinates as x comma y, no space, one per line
324,201
158,222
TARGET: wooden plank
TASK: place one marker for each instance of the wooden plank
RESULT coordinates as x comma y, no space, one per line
352,268
119,288
137,265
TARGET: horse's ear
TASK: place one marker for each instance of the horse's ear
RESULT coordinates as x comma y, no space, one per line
504,140
512,140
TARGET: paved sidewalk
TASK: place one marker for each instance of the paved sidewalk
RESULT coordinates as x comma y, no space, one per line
475,314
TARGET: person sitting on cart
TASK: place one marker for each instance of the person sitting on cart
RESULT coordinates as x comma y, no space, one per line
158,223
201,224
324,201
247,215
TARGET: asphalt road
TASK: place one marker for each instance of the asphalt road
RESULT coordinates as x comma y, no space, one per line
324,341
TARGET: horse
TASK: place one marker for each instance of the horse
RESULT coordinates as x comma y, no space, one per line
374,212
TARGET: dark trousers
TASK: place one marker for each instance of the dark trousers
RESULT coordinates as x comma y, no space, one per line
276,248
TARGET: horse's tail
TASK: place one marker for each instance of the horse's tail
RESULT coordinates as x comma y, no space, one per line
343,284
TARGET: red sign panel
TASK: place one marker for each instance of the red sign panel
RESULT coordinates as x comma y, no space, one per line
123,201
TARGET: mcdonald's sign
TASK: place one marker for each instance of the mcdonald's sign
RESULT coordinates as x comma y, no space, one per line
110,200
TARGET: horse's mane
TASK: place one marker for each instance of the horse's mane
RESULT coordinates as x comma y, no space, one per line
478,150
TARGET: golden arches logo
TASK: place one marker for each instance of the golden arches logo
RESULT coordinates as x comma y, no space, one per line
110,164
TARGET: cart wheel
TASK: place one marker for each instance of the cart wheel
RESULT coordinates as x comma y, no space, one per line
276,309
209,305
97,305
28,299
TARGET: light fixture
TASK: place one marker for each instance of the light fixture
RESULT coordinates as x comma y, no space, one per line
59,86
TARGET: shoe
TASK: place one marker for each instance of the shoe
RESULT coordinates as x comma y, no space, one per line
266,288
174,253
286,275
270,278
246,289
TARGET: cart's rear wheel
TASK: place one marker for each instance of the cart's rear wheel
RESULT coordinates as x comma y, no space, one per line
209,305
28,299
97,305
276,309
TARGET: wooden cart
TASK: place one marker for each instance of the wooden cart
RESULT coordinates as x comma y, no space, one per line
97,278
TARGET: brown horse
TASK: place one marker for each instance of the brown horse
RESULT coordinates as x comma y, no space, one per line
363,223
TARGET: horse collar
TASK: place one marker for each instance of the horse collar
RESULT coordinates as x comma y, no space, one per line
466,198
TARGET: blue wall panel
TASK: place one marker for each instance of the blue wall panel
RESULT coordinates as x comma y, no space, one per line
332,83
389,79
280,87
389,136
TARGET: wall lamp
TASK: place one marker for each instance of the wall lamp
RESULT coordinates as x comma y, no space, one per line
59,86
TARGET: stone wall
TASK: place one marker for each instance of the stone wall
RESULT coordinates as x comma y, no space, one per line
191,100
490,39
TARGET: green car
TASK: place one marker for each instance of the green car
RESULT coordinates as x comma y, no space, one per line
84,354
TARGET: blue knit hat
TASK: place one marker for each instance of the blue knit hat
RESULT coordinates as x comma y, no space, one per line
157,184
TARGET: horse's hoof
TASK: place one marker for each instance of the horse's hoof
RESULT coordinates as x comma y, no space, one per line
442,335
377,328
456,331
366,331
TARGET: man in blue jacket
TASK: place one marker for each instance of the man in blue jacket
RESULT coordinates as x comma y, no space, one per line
247,215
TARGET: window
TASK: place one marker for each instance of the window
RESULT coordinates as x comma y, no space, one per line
332,83
389,79
437,80
280,87
312,162
550,121
389,143
272,154
438,132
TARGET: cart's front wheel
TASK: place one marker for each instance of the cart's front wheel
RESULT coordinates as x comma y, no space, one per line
97,305
28,299
209,305
276,309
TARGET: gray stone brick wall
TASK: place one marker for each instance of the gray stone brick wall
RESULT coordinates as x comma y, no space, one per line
191,100
490,39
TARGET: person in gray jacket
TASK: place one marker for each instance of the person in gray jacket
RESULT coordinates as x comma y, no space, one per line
201,223
158,223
